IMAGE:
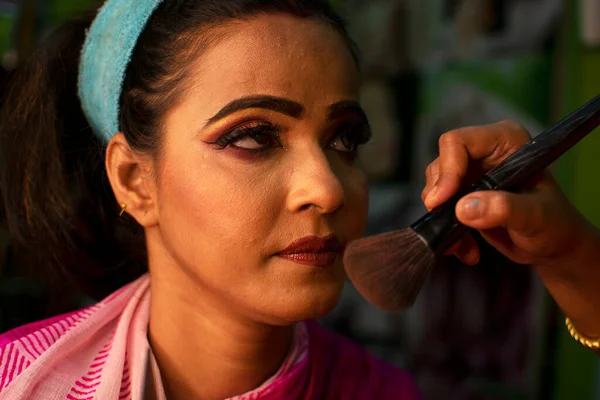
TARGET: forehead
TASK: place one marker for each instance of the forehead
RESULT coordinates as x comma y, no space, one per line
302,59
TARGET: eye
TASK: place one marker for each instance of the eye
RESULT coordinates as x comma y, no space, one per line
254,137
350,137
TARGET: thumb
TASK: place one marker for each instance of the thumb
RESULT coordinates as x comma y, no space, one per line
522,213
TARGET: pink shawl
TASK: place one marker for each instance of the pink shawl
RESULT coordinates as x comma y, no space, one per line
102,352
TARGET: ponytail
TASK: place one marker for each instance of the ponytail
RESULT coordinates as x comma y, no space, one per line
58,204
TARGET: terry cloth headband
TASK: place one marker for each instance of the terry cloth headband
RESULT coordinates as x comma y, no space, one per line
106,53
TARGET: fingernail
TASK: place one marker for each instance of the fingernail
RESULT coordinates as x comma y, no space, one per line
471,209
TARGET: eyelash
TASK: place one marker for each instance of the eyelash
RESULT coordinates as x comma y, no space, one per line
360,134
253,131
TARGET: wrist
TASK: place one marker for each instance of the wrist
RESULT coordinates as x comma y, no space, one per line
586,341
573,278
582,254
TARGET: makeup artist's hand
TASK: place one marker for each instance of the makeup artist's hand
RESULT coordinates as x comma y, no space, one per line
538,226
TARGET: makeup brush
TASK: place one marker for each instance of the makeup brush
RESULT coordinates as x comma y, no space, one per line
390,269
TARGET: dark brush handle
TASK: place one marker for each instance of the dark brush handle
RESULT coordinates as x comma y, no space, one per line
546,148
441,229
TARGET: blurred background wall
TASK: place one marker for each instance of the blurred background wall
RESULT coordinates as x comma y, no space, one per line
429,66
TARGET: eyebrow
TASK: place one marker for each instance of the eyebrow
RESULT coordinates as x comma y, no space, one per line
346,107
287,107
278,104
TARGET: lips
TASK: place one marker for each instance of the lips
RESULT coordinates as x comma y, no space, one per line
313,251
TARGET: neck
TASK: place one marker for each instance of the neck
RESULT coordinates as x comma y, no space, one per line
203,349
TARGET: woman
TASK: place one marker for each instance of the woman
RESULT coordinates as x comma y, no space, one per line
228,131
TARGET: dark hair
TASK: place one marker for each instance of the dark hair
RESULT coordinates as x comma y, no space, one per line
59,205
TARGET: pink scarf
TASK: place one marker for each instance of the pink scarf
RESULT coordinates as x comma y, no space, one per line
102,353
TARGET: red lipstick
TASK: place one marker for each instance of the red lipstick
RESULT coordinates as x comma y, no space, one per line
313,251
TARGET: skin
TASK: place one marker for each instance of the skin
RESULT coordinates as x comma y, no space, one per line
214,218
538,227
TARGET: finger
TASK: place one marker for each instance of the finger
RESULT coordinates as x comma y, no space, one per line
431,177
454,248
490,143
468,252
523,213
453,163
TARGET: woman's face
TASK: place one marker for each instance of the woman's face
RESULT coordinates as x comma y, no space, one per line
261,152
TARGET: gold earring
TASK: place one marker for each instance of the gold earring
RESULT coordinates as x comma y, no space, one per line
123,207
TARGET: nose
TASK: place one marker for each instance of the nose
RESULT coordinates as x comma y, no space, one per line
314,184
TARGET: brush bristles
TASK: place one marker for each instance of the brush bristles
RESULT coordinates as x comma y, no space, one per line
389,269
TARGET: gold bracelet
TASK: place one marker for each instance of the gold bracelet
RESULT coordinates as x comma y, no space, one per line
593,344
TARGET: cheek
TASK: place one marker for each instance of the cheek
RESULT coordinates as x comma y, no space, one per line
210,206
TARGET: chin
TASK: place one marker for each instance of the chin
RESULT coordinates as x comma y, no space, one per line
307,303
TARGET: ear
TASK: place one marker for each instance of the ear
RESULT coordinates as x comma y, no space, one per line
132,179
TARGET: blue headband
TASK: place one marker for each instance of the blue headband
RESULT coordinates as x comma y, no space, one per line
107,50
